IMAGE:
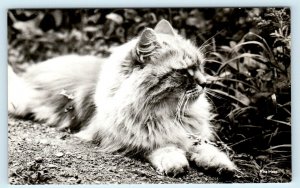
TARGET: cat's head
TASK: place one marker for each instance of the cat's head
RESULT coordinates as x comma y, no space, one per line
170,65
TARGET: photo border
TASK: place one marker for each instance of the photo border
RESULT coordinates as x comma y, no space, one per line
295,71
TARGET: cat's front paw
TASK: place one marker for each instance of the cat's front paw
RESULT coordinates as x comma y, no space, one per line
172,165
210,158
169,161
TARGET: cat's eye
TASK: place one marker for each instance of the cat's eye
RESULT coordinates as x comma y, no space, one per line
183,72
190,71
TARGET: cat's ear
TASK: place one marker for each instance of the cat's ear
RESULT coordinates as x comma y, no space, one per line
164,27
147,45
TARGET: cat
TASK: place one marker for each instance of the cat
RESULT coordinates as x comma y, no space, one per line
147,99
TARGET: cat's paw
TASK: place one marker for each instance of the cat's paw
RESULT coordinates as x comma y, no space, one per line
210,158
84,135
169,161
172,165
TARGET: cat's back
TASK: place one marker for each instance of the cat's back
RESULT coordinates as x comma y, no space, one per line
64,69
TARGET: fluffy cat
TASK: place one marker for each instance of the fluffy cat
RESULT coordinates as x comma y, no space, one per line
147,98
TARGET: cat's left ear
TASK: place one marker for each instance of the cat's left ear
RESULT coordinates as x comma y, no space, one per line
164,27
147,45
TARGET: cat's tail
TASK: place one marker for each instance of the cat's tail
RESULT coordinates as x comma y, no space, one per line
18,94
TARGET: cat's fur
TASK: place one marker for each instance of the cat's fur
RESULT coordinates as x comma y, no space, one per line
147,98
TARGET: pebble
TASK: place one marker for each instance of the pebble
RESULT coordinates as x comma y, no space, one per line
34,176
72,179
78,181
38,159
59,154
44,141
31,163
52,166
68,153
63,137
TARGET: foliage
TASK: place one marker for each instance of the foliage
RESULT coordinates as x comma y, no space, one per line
93,31
247,50
254,75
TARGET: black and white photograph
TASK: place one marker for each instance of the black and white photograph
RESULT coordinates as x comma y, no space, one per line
149,95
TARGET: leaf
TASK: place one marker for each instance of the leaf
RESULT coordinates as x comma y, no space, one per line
243,102
273,148
280,122
232,44
94,18
274,99
91,29
267,77
131,14
28,27
115,17
58,17
239,66
150,18
76,34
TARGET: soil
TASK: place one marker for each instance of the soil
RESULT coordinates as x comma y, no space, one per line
39,154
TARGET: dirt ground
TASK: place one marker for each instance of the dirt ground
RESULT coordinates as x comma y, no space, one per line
39,154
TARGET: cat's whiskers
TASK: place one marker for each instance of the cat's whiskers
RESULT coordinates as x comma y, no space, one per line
179,108
205,44
185,104
182,105
210,100
214,94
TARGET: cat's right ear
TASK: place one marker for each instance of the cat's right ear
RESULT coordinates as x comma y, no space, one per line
164,27
147,45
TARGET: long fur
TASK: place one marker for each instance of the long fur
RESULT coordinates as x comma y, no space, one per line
134,102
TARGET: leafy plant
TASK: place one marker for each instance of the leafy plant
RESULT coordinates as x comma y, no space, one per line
253,75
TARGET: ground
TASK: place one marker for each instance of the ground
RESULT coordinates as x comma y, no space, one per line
39,154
